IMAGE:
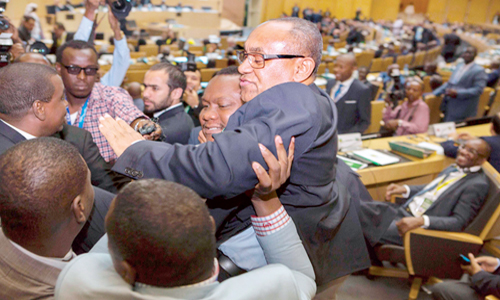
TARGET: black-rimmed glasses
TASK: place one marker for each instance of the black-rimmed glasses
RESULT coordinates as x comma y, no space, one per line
75,70
258,60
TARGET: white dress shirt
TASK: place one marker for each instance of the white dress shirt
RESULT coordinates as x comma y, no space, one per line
346,85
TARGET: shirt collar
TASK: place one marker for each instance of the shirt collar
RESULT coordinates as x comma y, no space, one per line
21,132
159,113
419,100
55,262
146,287
347,83
473,169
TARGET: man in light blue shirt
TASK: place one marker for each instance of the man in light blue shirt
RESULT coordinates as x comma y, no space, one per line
121,54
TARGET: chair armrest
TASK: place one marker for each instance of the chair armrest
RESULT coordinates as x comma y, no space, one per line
394,196
491,297
436,253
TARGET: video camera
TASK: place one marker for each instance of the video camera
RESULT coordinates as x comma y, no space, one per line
120,8
190,65
5,46
4,24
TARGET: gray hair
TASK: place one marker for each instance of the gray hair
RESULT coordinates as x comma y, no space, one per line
307,38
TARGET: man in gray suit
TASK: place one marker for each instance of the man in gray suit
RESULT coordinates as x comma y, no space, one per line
449,203
278,69
161,246
462,91
45,199
351,97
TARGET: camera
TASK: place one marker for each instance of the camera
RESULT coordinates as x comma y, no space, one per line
190,65
5,46
38,47
3,5
4,24
120,8
398,90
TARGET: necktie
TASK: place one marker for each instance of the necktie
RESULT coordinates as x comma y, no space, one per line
430,188
337,93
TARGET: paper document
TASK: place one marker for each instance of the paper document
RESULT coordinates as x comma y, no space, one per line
376,157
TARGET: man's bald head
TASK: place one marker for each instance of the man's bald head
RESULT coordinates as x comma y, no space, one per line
35,58
344,67
305,37
134,89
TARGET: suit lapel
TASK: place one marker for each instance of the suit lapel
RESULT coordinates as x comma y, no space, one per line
452,188
9,133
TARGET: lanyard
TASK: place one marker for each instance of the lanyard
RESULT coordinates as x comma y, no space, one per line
440,186
82,114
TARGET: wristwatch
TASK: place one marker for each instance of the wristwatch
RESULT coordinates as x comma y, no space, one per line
400,122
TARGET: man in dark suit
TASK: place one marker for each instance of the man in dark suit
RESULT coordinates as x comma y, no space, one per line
451,43
59,37
164,85
462,91
277,84
448,203
484,281
31,117
351,97
421,37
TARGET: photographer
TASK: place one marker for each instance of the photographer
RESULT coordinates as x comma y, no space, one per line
410,117
11,48
393,81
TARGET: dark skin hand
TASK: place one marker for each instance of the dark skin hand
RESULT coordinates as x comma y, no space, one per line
451,93
406,224
155,135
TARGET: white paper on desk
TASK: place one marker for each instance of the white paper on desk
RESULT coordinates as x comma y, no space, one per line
376,157
350,141
442,129
439,150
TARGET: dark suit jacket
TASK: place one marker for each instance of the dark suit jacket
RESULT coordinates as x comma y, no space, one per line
487,283
469,89
320,207
176,125
354,107
53,48
82,140
494,141
427,36
452,211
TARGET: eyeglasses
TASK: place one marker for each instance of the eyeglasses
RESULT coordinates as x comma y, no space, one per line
469,150
75,70
258,60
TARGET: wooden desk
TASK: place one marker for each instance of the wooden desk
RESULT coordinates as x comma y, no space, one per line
418,171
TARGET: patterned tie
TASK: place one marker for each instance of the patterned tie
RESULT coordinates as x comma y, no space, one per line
430,188
337,93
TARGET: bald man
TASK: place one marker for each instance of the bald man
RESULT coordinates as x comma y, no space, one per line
135,91
351,97
35,58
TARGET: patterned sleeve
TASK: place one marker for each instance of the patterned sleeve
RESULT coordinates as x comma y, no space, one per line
269,224
122,104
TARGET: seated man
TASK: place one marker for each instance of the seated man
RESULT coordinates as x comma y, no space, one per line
45,199
450,149
27,25
164,85
160,247
34,107
450,202
191,99
410,117
462,91
484,281
351,97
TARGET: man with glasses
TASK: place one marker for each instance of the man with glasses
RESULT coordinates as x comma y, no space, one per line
77,65
449,203
278,69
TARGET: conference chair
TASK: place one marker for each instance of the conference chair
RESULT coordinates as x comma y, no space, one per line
151,50
135,75
386,62
322,68
434,102
137,54
495,105
206,74
432,255
221,63
403,60
377,65
418,60
377,114
365,58
484,99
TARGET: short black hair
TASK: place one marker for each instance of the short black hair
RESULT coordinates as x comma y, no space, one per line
176,78
60,26
74,44
39,179
164,230
22,84
496,123
231,70
28,18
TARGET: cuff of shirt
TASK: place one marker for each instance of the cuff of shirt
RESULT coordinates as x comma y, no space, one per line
269,224
498,264
427,222
407,193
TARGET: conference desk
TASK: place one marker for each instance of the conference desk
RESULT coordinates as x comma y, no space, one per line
417,171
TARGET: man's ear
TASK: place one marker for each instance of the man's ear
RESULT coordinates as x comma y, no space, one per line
127,272
58,68
78,208
39,110
177,93
304,69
